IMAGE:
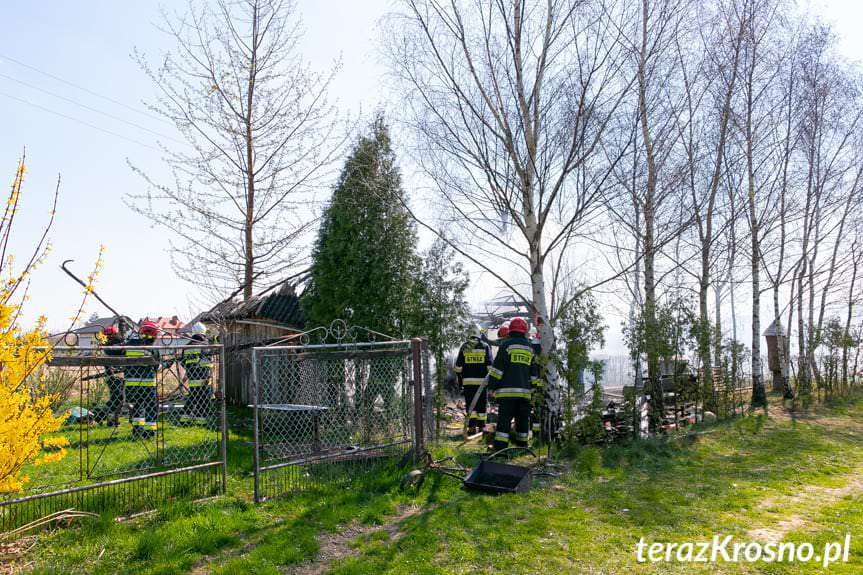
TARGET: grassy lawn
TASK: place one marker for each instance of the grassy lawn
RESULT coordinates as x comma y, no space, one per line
797,479
114,450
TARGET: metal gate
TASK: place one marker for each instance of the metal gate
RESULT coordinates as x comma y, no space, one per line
145,426
325,412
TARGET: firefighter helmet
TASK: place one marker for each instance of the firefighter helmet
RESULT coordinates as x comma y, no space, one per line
503,331
199,328
110,330
475,331
518,325
149,328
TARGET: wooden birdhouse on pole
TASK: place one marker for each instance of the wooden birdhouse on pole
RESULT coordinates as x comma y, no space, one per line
777,350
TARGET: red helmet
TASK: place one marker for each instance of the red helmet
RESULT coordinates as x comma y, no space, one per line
110,330
502,331
518,325
148,328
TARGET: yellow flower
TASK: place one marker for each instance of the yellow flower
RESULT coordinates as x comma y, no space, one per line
26,416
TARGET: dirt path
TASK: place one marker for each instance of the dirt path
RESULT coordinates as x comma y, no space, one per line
807,503
337,546
12,554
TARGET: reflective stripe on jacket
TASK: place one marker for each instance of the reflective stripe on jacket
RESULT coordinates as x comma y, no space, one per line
514,372
472,362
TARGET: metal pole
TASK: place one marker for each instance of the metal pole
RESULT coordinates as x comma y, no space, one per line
416,348
257,456
83,442
224,446
428,399
89,288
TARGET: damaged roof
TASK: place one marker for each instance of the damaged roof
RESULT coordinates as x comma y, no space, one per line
282,306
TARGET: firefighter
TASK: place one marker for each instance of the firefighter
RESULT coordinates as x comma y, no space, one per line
471,368
110,412
141,390
502,333
537,416
199,374
512,378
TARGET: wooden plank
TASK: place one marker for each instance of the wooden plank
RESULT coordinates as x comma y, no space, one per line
102,361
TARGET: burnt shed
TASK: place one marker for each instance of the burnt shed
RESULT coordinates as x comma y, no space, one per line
242,325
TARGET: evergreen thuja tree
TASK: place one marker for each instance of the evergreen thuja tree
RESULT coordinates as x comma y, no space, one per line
364,261
441,313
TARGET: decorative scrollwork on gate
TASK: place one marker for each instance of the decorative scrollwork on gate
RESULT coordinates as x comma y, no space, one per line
339,332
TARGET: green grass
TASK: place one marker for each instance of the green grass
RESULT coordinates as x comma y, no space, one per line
591,519
727,479
234,535
114,450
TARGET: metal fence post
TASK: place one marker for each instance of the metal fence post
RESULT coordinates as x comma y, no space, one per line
429,398
257,457
416,348
83,442
224,422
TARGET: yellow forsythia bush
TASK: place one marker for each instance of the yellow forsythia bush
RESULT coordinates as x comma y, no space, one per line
25,416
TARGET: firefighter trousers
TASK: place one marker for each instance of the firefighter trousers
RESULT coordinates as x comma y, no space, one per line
145,408
477,417
539,415
116,392
110,412
509,408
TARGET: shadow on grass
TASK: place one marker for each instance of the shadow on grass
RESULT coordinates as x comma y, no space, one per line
690,486
229,535
586,520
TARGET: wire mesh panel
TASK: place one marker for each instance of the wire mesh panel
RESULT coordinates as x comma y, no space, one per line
132,413
323,412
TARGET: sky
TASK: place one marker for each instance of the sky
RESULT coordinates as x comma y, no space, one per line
71,93
88,137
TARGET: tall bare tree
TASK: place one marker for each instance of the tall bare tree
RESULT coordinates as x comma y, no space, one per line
762,145
781,200
853,301
830,118
710,76
261,136
510,101
650,212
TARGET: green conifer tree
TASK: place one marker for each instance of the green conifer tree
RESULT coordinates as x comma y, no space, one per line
364,262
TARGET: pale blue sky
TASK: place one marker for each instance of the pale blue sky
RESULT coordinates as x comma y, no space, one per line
88,43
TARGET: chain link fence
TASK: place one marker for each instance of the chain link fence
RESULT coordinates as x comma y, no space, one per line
325,412
144,425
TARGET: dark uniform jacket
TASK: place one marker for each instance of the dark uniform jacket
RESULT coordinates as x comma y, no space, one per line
114,342
141,375
199,366
515,372
472,362
537,351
